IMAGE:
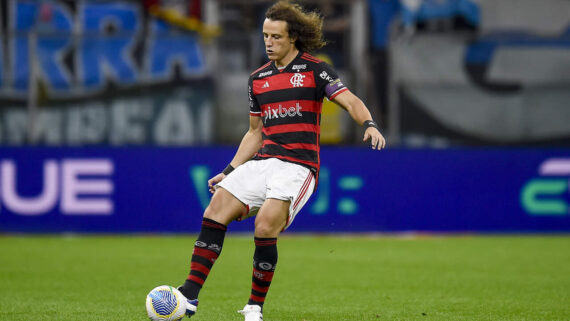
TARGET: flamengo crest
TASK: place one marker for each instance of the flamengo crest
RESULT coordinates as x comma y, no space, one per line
297,80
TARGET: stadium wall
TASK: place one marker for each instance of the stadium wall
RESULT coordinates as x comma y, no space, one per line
157,190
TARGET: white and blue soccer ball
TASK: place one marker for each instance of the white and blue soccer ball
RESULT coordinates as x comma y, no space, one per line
165,303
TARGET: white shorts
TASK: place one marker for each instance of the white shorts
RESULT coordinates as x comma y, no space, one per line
257,180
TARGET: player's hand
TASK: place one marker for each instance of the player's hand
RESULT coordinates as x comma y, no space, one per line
215,180
377,141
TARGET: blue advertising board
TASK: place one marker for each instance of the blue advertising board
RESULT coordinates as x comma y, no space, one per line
154,190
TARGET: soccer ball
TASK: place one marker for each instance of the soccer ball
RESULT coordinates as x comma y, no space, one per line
165,303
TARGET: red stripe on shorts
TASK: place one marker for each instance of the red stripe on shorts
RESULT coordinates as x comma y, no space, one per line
303,191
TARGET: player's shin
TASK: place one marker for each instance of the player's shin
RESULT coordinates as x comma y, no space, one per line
207,248
264,262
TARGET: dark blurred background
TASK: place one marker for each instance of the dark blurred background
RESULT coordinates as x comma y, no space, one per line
435,73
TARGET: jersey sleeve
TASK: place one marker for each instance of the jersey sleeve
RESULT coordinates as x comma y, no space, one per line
328,81
254,109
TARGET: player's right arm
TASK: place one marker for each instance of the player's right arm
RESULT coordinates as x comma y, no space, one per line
250,144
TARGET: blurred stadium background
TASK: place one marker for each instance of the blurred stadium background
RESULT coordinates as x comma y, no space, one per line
113,115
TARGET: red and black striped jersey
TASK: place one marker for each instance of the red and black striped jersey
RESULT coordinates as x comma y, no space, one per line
289,100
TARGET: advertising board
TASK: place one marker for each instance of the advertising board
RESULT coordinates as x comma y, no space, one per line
153,190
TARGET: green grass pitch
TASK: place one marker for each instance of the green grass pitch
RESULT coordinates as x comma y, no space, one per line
318,277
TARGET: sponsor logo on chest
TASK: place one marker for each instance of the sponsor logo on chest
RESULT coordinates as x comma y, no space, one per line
282,112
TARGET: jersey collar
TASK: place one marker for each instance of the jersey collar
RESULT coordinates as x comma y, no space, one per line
288,67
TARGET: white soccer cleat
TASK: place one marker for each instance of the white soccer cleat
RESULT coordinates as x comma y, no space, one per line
252,313
191,305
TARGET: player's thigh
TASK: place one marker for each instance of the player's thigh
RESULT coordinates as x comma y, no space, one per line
224,207
271,218
291,182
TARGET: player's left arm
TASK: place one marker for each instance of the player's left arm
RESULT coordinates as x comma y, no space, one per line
361,115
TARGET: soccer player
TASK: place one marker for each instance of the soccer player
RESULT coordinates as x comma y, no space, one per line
276,166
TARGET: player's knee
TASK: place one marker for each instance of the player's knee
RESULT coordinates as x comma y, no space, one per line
211,212
221,209
214,209
264,228
218,213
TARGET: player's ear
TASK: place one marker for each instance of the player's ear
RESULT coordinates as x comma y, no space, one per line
292,37
293,41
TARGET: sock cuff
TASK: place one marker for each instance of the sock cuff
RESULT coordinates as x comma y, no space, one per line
261,241
206,222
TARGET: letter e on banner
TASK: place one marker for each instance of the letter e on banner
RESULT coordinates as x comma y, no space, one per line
75,184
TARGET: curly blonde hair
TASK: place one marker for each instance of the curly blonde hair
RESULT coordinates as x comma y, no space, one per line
305,27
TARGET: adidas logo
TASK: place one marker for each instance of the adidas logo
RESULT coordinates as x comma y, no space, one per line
266,85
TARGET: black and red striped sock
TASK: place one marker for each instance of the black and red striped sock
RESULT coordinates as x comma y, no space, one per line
206,250
264,262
